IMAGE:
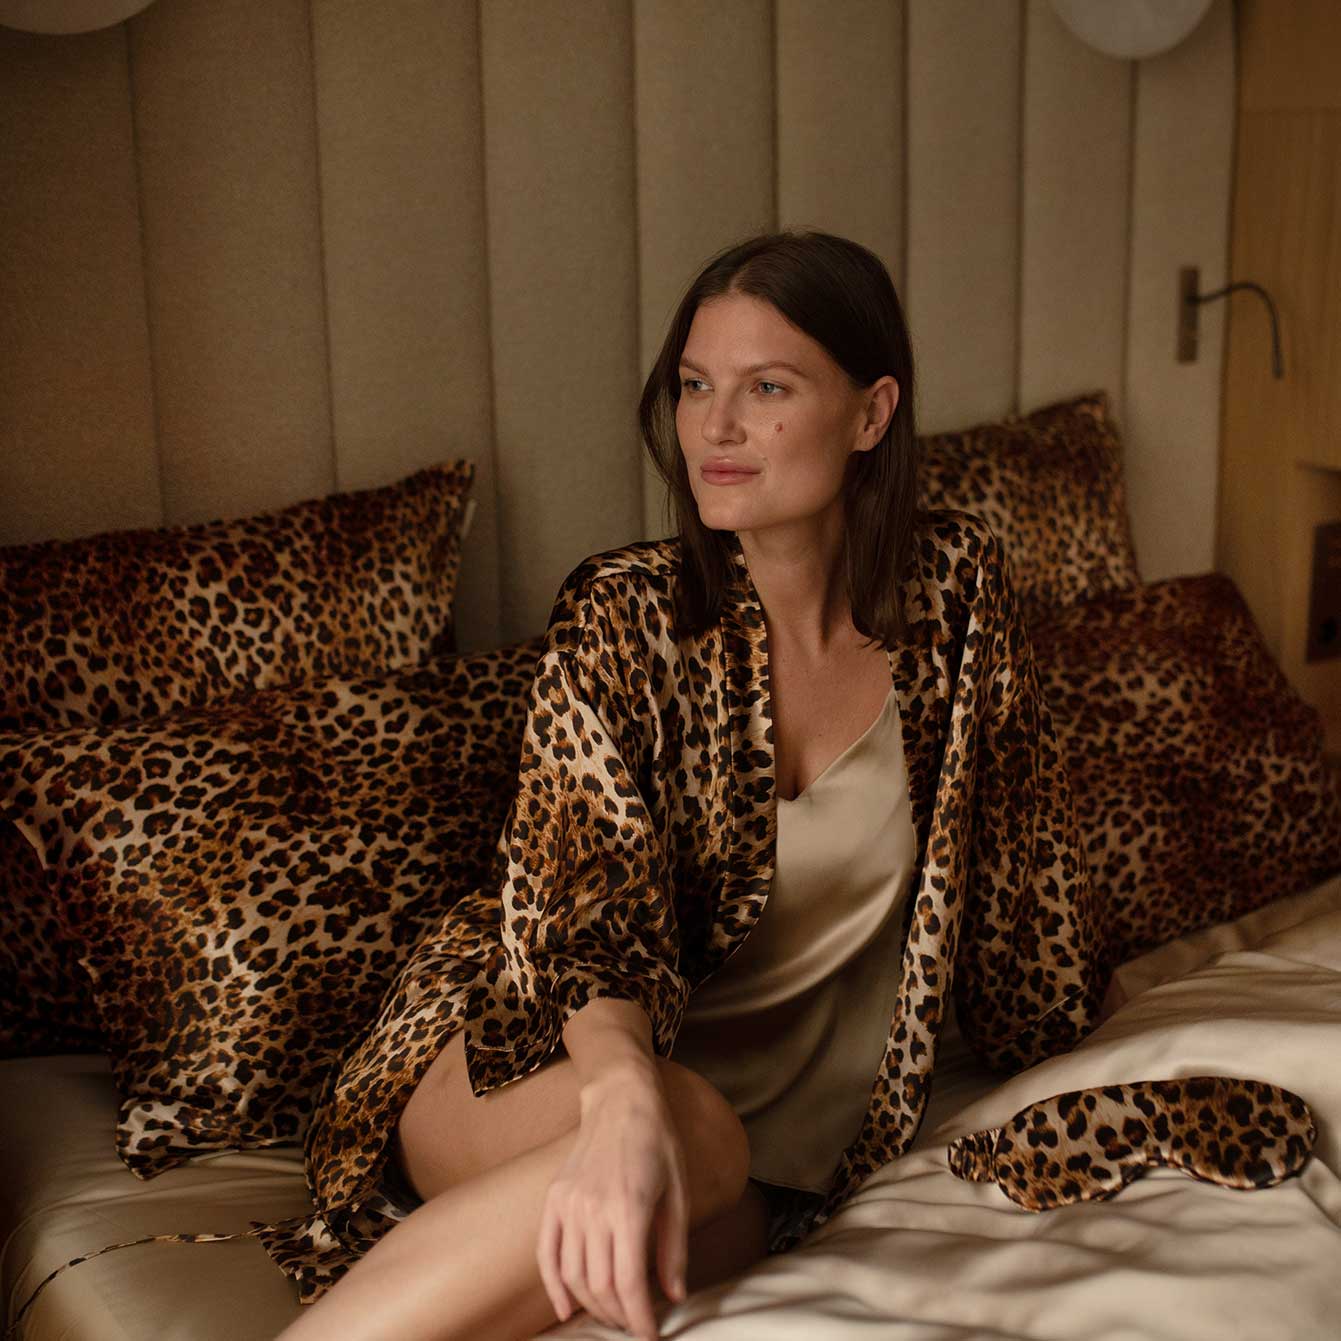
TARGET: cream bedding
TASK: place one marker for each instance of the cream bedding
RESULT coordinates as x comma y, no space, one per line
918,1253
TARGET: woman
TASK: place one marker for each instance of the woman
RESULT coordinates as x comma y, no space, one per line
814,696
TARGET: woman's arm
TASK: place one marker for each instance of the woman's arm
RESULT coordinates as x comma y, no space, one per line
625,1173
609,1038
587,910
590,959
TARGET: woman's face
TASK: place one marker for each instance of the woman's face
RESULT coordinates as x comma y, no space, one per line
767,421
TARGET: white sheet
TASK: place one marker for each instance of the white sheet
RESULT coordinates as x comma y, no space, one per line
918,1253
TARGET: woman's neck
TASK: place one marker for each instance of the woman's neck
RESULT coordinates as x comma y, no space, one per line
799,576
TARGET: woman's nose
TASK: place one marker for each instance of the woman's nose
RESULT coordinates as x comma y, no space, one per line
720,424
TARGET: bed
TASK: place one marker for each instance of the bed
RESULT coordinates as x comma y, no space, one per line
164,756
917,1253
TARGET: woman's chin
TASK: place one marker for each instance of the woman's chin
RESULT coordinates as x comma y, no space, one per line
712,525
716,517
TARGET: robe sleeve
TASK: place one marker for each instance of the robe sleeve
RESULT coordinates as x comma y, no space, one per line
585,909
1031,968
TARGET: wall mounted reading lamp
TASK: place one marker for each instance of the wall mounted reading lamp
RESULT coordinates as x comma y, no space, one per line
1137,30
1189,307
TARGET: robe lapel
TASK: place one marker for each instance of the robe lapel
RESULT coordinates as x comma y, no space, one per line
752,809
927,675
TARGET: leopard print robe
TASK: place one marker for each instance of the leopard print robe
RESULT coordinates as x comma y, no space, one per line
639,852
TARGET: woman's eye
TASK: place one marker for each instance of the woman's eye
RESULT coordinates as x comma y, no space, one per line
768,388
691,383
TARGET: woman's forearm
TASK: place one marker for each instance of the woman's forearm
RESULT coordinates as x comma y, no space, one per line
610,1040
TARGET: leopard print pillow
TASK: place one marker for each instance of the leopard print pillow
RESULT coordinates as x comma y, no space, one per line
1050,485
242,882
1197,770
128,625
1087,1145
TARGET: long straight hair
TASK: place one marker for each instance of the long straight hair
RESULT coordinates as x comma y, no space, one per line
841,295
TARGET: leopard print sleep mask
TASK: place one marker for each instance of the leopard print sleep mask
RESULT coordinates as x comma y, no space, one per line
1087,1145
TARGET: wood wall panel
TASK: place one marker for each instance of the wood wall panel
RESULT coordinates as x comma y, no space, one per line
1251,480
1281,450
963,207
1292,245
840,87
1263,421
705,113
1291,55
228,170
400,136
77,449
1075,208
1180,192
559,168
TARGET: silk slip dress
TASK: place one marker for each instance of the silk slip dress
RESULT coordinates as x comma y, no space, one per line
792,1029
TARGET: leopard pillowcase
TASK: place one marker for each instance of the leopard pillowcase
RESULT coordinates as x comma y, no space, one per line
241,883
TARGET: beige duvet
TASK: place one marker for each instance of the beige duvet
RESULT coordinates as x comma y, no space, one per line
918,1253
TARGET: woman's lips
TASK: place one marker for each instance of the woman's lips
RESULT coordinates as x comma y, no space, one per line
726,474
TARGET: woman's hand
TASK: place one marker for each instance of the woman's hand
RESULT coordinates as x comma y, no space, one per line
623,1180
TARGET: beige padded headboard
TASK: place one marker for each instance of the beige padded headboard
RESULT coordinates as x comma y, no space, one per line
255,251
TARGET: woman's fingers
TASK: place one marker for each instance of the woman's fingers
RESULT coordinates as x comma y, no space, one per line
672,1239
547,1259
625,1162
605,1273
601,1277
630,1267
573,1269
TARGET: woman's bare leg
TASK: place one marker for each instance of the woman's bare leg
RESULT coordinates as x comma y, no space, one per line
463,1264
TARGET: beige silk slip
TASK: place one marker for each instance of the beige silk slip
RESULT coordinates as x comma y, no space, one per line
792,1029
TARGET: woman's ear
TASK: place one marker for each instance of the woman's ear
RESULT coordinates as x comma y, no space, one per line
880,401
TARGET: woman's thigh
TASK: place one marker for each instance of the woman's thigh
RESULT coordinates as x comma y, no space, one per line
448,1134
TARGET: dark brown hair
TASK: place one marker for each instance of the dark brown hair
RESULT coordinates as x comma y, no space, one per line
841,295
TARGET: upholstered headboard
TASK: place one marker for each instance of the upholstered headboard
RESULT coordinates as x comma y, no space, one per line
258,252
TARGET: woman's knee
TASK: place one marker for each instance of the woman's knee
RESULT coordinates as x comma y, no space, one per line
446,1135
717,1149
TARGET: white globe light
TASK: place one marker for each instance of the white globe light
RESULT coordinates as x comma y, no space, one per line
1131,29
67,16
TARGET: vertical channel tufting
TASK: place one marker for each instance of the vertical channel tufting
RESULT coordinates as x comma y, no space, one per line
963,218
706,174
840,121
228,171
76,391
400,136
337,479
1076,158
559,174
319,298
